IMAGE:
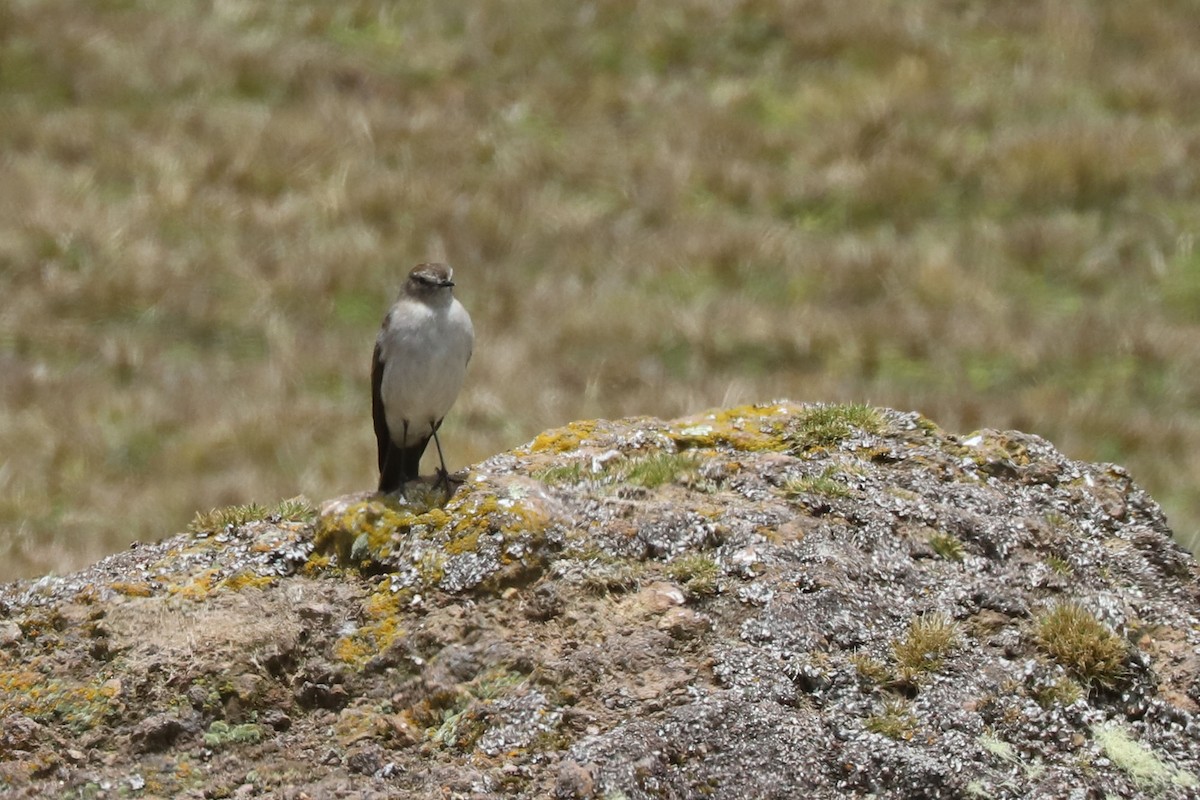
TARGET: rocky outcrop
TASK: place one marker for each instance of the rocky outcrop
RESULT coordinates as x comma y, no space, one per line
769,601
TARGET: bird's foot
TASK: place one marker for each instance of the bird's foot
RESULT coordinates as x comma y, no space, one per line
443,479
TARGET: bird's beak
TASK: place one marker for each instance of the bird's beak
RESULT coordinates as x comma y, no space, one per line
446,283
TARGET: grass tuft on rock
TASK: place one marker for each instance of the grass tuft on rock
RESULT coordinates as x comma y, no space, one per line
825,484
946,545
658,469
697,572
218,518
1084,646
827,426
895,720
928,640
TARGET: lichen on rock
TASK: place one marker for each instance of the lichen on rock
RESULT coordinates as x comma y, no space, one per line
779,600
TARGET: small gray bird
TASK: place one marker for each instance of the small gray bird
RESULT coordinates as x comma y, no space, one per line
421,358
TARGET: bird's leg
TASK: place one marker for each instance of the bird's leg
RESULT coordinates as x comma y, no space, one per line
443,475
403,480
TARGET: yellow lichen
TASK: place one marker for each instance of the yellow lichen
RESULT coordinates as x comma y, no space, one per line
468,542
747,428
244,579
363,529
198,587
378,631
80,706
132,588
564,439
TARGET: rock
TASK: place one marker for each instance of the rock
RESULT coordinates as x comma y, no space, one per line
156,733
19,732
768,601
574,782
10,632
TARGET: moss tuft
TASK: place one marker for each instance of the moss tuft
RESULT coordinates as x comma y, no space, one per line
895,720
222,734
946,545
871,669
922,649
1062,691
825,484
697,572
658,469
1059,565
219,518
1084,646
827,426
650,471
560,474
295,509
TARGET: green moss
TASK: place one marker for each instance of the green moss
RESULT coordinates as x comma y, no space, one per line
460,728
828,425
826,484
461,717
296,509
946,545
895,720
1059,565
649,471
220,518
658,469
697,572
871,669
604,577
1084,646
1061,692
928,640
221,734
494,683
562,474
1139,762
1008,754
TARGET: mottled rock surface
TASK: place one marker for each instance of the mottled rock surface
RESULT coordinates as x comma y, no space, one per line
772,601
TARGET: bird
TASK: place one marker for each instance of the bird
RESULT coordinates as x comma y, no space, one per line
420,363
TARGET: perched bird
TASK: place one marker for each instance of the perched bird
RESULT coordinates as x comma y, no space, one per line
421,358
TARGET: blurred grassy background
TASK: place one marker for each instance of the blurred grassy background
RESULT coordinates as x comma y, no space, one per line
982,210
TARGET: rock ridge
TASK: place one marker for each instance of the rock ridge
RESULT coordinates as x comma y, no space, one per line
778,600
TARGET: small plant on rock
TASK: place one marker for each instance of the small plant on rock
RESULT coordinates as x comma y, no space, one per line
921,650
895,720
1084,646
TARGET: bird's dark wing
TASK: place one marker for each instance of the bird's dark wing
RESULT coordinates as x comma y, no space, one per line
383,437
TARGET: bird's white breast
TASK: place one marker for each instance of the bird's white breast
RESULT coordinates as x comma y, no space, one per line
425,350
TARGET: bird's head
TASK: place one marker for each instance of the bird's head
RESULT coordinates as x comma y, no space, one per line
428,280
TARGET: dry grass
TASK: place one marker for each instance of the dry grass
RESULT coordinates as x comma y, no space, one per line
985,214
